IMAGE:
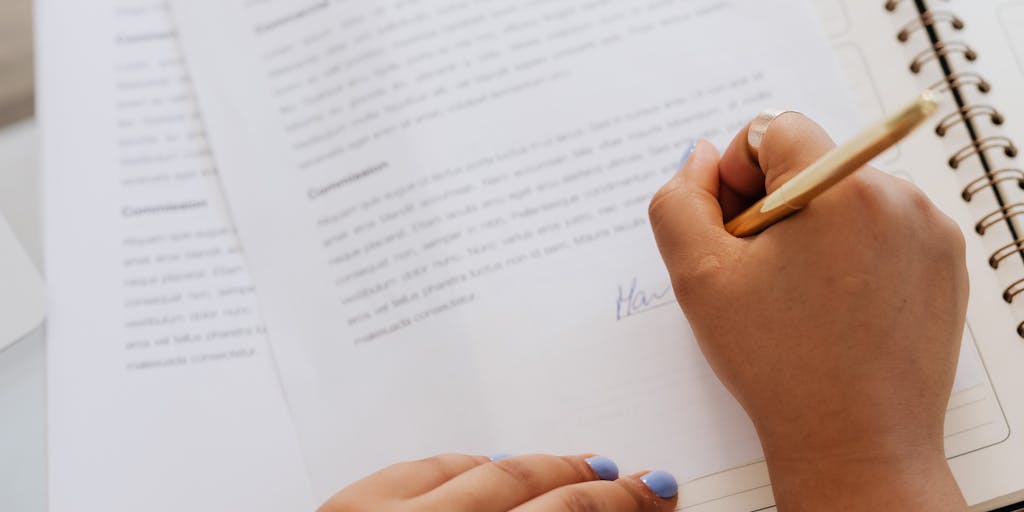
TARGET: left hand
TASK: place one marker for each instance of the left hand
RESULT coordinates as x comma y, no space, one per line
530,483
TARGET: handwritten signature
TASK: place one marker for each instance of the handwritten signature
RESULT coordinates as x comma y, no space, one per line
635,300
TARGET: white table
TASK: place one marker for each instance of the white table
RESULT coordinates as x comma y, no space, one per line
23,365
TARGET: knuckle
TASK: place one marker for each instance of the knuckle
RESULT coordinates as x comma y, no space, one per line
941,228
519,471
881,195
581,470
959,241
944,234
950,235
793,142
708,268
541,473
947,228
656,209
643,498
917,199
579,500
448,465
864,190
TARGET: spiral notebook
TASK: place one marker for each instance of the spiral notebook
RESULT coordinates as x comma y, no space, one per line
967,161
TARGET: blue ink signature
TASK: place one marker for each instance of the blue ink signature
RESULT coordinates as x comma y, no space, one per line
634,300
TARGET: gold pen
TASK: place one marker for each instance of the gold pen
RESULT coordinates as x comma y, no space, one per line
833,167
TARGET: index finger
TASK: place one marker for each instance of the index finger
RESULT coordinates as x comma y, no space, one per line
410,479
627,494
502,485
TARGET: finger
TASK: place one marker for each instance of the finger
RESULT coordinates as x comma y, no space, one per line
410,479
627,494
792,142
505,484
742,182
685,214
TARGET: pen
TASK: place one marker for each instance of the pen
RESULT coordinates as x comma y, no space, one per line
833,167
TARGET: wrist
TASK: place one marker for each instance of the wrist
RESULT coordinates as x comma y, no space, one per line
906,479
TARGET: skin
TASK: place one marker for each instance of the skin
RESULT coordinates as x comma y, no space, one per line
530,483
837,330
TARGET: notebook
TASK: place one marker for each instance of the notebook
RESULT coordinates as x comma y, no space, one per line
889,50
404,169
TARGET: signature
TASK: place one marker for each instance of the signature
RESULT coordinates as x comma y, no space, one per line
635,300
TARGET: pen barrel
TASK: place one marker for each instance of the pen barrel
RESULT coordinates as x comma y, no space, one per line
753,220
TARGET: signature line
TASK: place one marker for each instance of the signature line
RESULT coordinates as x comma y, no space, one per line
633,300
648,309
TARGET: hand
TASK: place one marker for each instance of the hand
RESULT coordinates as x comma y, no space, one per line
837,329
532,483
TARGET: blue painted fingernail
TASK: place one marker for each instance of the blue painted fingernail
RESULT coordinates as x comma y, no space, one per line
688,152
605,468
661,483
500,456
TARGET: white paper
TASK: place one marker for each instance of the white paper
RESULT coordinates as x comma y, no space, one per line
445,210
162,395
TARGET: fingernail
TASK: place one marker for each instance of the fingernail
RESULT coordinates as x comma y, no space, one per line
500,456
661,483
688,152
605,468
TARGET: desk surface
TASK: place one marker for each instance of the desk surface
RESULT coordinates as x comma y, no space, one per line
16,80
22,365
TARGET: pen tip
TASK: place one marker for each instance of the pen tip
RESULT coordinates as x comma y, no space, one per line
929,101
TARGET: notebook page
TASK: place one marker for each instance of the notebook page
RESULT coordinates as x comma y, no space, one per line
986,36
991,30
161,391
464,215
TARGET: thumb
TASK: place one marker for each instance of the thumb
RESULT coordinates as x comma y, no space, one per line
686,215
791,143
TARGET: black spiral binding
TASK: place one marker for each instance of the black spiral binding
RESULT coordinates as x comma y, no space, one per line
979,146
940,51
966,113
985,181
926,20
968,116
959,80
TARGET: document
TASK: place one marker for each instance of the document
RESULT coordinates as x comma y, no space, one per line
162,394
445,209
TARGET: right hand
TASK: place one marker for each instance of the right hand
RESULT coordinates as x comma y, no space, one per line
837,330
